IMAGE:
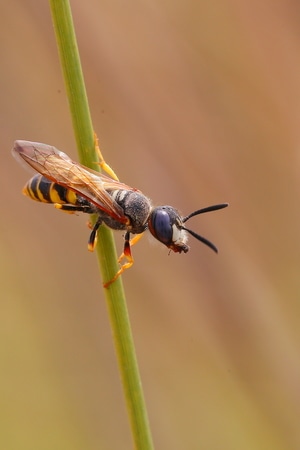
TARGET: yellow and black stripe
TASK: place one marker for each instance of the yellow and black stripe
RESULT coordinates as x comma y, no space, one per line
43,190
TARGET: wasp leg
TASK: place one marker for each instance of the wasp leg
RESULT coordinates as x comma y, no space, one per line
93,236
127,254
104,166
132,242
71,209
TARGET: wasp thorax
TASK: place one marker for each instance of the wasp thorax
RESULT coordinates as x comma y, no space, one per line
136,207
166,225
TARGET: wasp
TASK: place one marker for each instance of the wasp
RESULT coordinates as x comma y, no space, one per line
72,187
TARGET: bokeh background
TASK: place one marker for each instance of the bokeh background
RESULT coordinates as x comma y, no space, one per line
195,103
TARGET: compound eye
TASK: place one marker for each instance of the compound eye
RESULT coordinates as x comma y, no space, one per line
160,226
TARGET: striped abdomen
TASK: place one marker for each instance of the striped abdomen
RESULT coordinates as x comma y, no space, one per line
43,190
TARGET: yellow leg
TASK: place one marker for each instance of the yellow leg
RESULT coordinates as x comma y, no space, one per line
62,208
104,166
132,242
127,265
71,209
120,271
126,254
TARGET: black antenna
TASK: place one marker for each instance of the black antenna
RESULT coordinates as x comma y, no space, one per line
201,211
205,210
202,239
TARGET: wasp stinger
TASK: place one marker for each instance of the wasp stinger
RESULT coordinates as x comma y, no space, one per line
72,187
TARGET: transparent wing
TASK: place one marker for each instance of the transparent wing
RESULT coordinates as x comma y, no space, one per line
58,167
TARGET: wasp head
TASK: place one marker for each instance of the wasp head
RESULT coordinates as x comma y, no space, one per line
167,226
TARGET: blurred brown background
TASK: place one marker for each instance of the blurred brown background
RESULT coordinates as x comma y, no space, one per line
195,103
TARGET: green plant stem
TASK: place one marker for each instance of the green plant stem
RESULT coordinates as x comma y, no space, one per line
107,256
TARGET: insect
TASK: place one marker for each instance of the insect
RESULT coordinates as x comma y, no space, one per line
72,187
